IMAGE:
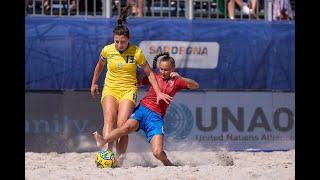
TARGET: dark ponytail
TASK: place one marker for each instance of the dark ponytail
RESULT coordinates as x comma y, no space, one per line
121,28
166,57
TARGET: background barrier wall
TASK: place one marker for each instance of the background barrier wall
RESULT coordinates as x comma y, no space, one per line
235,58
63,121
61,53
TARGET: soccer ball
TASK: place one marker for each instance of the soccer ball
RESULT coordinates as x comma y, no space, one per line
105,159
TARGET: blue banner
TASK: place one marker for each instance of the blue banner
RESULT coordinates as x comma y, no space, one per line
61,52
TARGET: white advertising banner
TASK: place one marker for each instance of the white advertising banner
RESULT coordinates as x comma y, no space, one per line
195,119
187,54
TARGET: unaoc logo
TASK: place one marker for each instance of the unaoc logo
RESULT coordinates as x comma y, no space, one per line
178,121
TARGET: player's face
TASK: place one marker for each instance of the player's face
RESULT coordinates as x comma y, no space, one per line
121,42
165,68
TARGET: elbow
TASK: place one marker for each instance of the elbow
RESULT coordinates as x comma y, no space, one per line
194,85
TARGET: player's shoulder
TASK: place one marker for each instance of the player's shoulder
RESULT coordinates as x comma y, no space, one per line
109,47
134,48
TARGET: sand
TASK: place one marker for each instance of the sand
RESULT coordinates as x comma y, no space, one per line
191,165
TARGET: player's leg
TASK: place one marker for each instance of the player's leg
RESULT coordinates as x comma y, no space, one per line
130,126
157,149
110,109
126,108
127,103
99,139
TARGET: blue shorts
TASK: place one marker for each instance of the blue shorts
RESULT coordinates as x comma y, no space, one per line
150,122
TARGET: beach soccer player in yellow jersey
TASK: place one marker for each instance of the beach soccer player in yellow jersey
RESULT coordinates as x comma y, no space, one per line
149,114
119,93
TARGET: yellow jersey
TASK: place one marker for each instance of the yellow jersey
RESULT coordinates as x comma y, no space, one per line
122,67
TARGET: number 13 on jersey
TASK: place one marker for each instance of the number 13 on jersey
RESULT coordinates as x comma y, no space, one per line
130,59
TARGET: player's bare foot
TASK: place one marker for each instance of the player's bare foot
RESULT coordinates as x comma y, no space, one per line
99,139
168,164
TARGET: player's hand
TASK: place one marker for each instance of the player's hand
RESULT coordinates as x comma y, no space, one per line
94,90
165,97
175,75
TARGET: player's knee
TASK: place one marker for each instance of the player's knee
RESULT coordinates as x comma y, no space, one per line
126,129
110,119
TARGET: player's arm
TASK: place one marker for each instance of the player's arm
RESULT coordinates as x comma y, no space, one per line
97,71
192,84
153,82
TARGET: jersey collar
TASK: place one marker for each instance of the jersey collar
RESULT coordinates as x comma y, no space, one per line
124,50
